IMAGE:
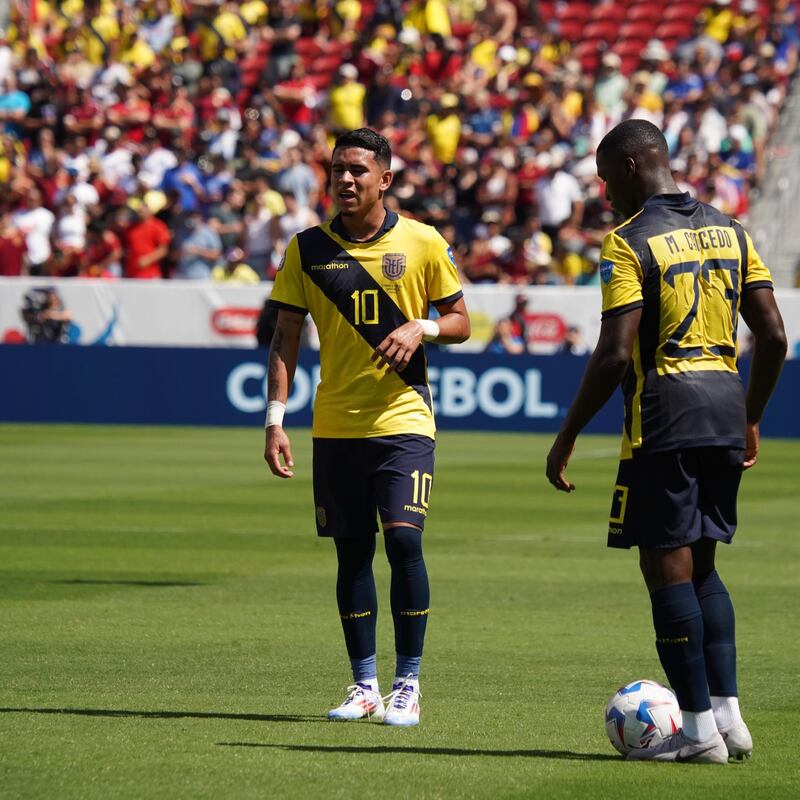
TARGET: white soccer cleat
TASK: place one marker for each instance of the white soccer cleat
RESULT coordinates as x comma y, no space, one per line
738,740
680,748
361,701
402,704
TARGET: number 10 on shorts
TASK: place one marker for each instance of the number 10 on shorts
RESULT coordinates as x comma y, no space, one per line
422,488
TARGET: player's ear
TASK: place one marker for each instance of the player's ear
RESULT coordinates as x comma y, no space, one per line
629,165
386,179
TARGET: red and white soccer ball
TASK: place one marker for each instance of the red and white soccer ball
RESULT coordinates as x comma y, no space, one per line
641,714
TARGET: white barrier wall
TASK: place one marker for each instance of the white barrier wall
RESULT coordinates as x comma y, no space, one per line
204,314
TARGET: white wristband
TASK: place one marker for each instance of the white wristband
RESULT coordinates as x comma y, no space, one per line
275,412
430,329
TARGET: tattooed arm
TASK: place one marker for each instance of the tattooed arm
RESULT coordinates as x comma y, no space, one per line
282,364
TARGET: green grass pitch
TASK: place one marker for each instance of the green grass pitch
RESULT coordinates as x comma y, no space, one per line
169,627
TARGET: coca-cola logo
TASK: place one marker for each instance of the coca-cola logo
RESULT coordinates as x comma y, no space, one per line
235,321
545,328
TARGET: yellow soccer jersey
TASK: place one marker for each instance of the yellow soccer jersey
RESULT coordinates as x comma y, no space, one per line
686,265
357,293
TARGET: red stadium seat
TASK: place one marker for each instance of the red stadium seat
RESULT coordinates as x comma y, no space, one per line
588,52
609,11
573,11
628,64
547,10
643,30
607,30
629,48
681,11
645,12
570,29
590,63
672,32
588,46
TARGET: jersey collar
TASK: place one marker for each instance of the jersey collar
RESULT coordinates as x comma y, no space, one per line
673,199
389,221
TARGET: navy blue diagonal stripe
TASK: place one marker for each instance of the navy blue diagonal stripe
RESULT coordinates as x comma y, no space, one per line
337,273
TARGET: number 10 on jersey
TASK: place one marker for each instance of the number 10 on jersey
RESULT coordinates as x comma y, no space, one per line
365,306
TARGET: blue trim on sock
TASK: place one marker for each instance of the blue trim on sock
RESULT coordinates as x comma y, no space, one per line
407,665
364,668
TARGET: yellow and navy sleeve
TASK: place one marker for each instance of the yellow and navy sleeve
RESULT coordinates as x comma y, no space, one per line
757,275
620,276
441,272
288,291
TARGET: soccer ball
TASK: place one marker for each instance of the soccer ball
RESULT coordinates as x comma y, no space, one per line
641,714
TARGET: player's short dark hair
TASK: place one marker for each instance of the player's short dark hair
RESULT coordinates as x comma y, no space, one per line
632,138
367,139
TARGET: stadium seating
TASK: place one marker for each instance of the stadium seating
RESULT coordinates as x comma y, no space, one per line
192,118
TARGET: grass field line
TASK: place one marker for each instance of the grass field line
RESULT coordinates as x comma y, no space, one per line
162,529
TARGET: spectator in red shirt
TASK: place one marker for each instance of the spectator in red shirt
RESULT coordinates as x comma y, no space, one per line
297,96
174,120
133,112
85,118
103,253
147,244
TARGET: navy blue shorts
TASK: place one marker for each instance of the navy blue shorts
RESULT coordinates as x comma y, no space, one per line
668,500
355,479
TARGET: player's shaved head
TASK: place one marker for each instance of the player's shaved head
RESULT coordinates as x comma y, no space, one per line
637,139
633,161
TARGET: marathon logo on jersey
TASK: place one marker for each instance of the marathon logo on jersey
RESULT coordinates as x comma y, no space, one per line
330,265
394,265
451,256
281,262
606,268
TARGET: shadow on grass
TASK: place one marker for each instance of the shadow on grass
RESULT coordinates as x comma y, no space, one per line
112,712
428,751
101,582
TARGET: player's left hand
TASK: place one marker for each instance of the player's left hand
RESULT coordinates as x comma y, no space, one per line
395,351
557,460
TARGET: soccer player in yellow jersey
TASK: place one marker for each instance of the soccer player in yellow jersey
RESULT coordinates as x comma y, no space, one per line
367,278
674,278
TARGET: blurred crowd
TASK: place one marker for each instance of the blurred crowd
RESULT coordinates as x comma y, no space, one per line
191,138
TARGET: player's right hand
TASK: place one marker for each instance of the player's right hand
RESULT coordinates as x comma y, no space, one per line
277,446
557,460
751,446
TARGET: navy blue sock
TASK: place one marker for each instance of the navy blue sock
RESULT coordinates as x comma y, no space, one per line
719,635
410,592
356,595
678,622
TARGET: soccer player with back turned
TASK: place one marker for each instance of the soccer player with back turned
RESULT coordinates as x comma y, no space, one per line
367,278
674,279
